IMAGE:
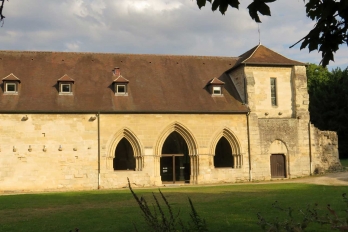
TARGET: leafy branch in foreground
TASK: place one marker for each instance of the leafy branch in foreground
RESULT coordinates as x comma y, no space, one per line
2,17
159,221
309,215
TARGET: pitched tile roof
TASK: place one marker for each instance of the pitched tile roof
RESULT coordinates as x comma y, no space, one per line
11,77
216,81
66,78
157,83
121,79
261,55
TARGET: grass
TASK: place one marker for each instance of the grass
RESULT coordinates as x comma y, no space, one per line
225,208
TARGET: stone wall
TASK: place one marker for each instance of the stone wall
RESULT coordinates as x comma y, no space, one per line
238,79
259,91
48,152
278,129
51,152
324,151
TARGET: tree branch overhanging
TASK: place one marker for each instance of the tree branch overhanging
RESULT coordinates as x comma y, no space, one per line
2,17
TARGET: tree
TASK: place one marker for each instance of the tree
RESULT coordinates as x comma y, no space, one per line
2,17
328,102
317,76
329,32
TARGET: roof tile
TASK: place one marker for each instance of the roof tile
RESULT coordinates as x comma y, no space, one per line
261,55
216,81
157,83
66,78
121,79
11,77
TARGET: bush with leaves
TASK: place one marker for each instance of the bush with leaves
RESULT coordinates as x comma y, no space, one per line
308,216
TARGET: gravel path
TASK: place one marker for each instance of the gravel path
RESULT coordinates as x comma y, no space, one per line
337,178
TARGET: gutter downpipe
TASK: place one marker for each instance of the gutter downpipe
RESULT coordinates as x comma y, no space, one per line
248,131
310,148
98,116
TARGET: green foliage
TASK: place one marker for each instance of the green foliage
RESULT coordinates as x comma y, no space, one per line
328,95
329,32
307,217
159,221
316,76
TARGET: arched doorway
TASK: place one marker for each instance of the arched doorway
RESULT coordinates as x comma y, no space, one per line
278,152
175,160
223,157
124,156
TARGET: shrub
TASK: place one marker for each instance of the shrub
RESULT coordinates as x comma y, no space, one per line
159,221
308,216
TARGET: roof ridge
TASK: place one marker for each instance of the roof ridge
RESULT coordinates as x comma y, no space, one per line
110,53
216,81
121,77
257,47
10,75
65,76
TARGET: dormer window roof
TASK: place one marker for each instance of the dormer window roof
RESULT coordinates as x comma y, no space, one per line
65,85
215,87
120,83
11,84
121,79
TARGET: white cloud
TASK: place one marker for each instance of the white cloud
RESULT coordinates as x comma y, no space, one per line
154,26
73,47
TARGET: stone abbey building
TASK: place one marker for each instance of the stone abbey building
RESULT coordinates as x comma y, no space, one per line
72,121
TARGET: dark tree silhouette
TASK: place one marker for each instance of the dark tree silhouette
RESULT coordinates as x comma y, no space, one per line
2,17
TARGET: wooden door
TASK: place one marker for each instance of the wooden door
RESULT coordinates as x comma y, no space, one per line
278,166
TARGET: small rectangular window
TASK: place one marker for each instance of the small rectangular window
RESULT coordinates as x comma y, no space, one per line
11,88
274,91
216,90
121,89
65,88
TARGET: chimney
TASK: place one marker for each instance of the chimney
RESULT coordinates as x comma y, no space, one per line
116,71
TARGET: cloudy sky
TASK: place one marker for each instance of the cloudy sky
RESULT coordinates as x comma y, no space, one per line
155,27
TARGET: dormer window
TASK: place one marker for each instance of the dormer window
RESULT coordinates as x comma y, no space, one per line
215,87
217,90
65,88
10,88
65,85
120,83
121,89
11,84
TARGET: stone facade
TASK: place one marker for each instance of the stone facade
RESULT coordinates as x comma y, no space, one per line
53,143
53,152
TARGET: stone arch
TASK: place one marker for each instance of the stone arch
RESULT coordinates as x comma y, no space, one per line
183,131
134,142
191,145
234,143
278,146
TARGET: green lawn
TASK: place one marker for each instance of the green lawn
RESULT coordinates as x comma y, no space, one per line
225,208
